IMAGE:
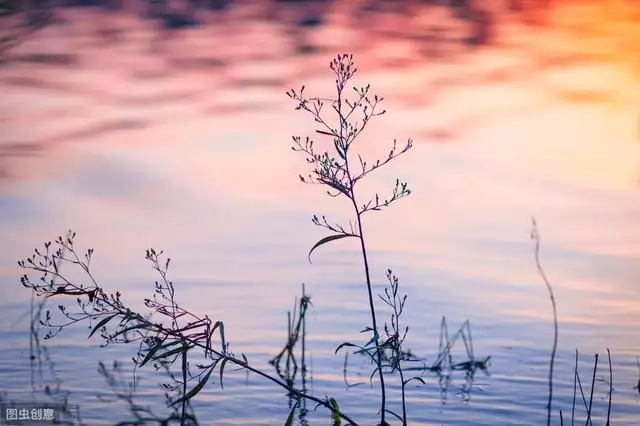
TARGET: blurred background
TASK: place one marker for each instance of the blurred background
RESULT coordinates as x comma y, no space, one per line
165,124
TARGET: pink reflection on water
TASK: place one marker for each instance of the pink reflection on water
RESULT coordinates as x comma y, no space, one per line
542,122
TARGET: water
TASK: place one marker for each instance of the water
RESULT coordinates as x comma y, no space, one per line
180,141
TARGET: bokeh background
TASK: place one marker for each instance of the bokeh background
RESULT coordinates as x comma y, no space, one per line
165,124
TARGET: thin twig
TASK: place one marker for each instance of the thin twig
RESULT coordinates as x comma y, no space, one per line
575,388
593,385
610,388
536,238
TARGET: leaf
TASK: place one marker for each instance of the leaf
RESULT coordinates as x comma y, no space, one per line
101,324
173,351
224,362
372,375
196,389
128,329
336,145
155,349
222,339
327,240
337,186
347,345
289,420
335,412
190,326
374,339
322,132
213,329
367,351
420,379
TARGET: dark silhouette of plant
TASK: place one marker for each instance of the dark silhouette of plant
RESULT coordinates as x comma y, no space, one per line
395,336
52,386
535,236
577,383
390,355
391,348
588,402
124,391
397,359
170,335
336,169
179,336
296,333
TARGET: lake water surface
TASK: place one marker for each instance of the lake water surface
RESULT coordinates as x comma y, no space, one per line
138,138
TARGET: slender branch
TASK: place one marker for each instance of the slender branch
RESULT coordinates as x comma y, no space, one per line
593,385
536,238
610,388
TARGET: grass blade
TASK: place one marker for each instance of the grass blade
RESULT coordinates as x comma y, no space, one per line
289,421
335,412
224,362
610,389
327,240
101,324
195,390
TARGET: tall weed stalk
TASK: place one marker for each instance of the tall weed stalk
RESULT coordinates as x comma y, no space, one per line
535,236
181,335
337,169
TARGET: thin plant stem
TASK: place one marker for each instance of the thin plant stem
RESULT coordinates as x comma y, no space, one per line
341,176
593,385
536,238
383,396
610,388
403,393
365,260
575,389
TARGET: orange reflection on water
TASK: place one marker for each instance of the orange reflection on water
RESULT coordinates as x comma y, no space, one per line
542,121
